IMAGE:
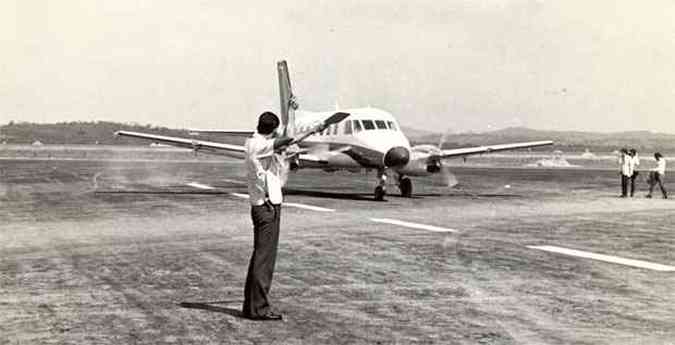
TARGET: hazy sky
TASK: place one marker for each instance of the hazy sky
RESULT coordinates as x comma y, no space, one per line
456,65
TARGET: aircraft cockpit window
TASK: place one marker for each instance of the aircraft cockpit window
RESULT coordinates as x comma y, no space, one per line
357,126
381,124
392,125
348,128
368,124
335,129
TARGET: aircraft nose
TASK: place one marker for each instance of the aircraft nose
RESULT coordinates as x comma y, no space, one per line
396,157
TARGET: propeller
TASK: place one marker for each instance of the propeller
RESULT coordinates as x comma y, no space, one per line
333,119
444,177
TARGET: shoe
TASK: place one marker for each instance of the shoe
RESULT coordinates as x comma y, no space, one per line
648,196
270,316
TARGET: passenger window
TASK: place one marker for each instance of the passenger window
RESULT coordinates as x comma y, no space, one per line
348,128
381,124
357,126
368,124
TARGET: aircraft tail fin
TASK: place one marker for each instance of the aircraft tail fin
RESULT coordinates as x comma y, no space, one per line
287,99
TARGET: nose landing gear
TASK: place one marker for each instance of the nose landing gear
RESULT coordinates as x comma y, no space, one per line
404,184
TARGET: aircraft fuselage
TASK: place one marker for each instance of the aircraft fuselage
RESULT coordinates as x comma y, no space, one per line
368,138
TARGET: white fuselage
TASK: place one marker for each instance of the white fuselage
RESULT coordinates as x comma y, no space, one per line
360,141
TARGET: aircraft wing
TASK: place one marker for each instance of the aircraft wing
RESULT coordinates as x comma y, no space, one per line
229,132
465,151
236,151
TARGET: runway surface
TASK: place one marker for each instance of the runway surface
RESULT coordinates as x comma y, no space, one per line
148,252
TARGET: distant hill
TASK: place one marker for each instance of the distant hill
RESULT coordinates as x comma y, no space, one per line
417,133
567,141
101,132
89,133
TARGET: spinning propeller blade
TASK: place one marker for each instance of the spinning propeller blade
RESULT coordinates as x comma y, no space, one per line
335,118
445,178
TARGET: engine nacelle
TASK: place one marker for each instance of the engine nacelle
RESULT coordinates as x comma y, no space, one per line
419,165
434,166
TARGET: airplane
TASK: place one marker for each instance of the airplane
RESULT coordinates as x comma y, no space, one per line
350,139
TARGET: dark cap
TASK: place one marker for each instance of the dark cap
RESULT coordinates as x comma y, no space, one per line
267,123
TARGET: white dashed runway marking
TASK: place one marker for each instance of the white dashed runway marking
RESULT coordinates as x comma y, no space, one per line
233,181
309,207
239,195
199,186
412,225
606,258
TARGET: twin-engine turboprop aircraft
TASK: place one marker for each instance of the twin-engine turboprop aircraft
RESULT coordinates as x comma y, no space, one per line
351,139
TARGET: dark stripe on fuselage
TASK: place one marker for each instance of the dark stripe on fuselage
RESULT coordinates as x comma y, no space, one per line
367,158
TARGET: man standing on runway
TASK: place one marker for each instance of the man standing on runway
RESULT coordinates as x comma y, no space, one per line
634,164
624,171
265,165
657,174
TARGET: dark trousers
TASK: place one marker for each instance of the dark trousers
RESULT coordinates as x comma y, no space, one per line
655,178
632,182
624,184
261,267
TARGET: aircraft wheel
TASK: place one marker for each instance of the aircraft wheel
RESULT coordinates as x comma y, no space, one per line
406,187
380,192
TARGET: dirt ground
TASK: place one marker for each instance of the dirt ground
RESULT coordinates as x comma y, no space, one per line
114,252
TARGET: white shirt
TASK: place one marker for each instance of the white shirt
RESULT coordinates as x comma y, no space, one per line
264,170
633,163
661,166
624,160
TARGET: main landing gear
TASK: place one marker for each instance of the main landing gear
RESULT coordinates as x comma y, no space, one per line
381,189
404,185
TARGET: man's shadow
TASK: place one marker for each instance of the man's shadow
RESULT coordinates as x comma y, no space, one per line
330,195
213,306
